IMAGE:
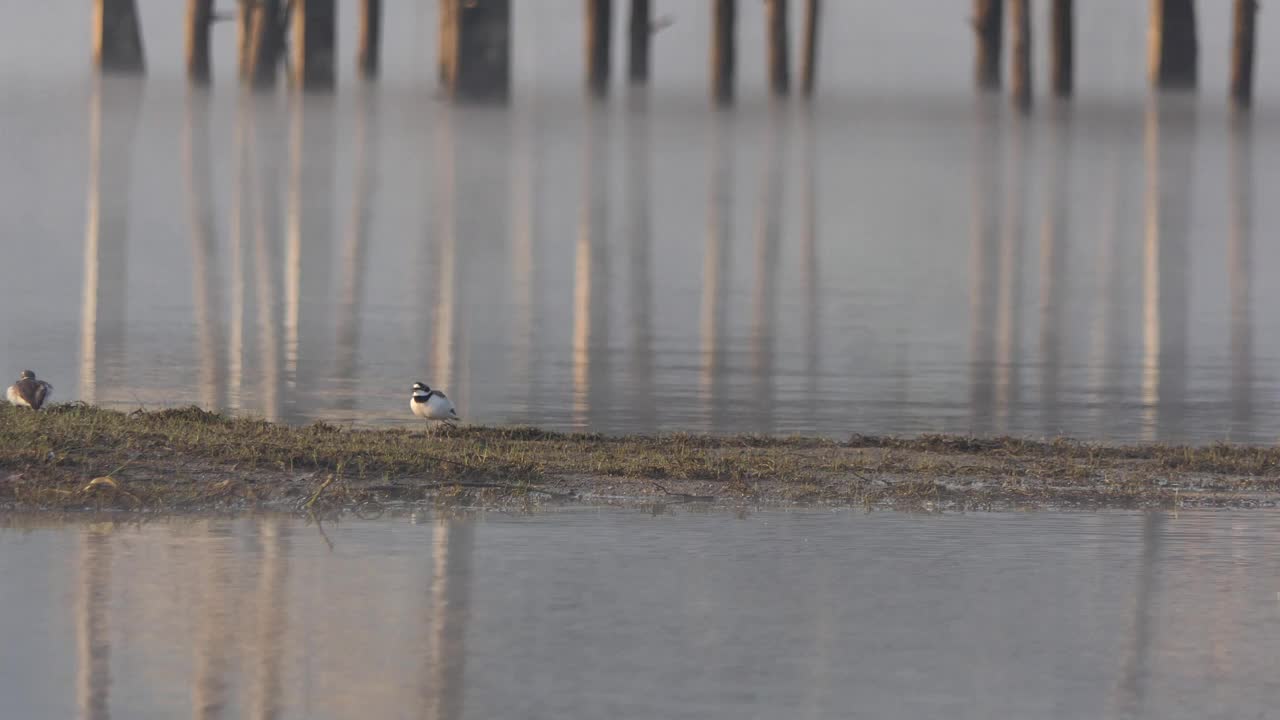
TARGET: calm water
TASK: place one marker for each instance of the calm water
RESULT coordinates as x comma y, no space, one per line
589,614
904,258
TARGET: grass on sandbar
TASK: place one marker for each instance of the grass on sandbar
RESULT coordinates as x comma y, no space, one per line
77,456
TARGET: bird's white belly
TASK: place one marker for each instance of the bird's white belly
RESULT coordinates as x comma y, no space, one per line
436,408
14,398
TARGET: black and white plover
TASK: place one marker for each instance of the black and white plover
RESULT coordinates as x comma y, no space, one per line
432,405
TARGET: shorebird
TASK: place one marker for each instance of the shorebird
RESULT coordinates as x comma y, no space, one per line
28,391
431,404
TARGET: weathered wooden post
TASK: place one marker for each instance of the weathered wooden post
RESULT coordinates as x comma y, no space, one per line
599,23
988,26
117,37
1242,53
1020,75
266,42
314,33
639,32
370,38
1063,47
809,69
723,22
199,20
779,67
244,37
475,49
1172,47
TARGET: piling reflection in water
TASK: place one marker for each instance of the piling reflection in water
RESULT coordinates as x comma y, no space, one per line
452,615
355,247
643,396
540,280
765,293
211,683
262,196
1240,272
308,247
526,183
448,331
1054,272
986,191
93,646
591,277
715,272
442,690
269,636
113,118
1009,283
1116,263
810,273
1169,145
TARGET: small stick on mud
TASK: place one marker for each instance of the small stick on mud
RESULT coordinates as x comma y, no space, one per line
686,497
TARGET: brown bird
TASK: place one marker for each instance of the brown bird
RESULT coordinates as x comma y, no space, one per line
29,391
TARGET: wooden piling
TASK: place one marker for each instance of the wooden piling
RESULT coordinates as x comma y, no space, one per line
809,67
1020,71
599,22
369,39
1242,36
244,38
266,43
724,20
779,65
639,34
475,49
117,37
988,26
1062,48
314,33
199,19
1172,47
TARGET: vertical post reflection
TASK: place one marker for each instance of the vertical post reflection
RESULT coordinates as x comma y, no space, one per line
209,688
113,113
448,328
238,233
93,648
764,299
591,277
983,263
1136,671
262,192
364,171
308,241
525,181
715,269
204,252
640,209
442,690
269,635
1114,265
1053,269
1169,125
810,276
1239,268
1008,383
